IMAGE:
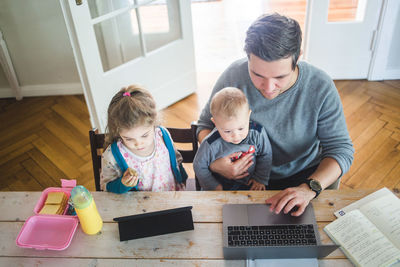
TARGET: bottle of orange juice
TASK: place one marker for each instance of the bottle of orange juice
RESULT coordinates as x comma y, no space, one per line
86,210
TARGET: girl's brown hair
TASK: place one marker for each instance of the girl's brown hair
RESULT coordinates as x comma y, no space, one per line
132,106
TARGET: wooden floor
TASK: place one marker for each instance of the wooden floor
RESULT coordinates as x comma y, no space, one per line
44,139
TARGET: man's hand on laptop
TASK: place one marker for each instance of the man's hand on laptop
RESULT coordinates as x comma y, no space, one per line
290,198
232,169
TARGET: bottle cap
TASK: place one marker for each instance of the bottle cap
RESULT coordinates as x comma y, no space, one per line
81,197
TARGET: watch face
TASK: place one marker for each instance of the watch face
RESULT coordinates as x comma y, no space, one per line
315,185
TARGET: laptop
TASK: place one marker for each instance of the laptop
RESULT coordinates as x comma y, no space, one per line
251,231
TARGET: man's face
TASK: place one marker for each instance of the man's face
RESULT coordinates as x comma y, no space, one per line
233,129
272,78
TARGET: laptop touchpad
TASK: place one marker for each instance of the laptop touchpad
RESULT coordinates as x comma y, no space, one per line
259,214
235,214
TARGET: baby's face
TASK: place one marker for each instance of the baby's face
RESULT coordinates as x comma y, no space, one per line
140,139
233,129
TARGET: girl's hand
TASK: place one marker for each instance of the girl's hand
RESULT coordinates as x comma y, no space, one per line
256,185
130,178
180,187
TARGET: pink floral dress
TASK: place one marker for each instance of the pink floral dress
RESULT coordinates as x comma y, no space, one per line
155,173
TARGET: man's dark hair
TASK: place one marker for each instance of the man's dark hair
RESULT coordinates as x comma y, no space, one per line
274,37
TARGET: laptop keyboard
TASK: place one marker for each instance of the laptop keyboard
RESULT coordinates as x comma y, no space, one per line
271,235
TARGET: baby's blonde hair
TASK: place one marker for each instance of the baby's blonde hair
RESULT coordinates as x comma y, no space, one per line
132,106
228,102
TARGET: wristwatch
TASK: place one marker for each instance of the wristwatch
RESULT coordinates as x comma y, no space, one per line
314,186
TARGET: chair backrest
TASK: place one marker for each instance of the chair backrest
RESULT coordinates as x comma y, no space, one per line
96,148
179,135
187,136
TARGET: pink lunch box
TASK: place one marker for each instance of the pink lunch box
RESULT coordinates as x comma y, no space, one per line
53,232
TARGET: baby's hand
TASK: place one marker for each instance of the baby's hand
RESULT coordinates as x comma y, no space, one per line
256,185
130,178
219,188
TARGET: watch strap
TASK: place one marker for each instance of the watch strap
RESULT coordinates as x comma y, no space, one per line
317,192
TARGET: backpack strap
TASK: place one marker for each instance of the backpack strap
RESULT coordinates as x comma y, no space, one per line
120,160
172,156
118,157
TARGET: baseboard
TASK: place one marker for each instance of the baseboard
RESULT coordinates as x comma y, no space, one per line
44,90
393,74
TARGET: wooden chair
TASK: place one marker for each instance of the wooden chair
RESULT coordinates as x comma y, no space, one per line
186,136
179,135
96,148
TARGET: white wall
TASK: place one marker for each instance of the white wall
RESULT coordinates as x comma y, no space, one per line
3,80
39,47
394,52
386,61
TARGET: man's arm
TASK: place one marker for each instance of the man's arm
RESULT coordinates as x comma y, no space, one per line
337,155
263,158
332,132
204,123
327,173
202,134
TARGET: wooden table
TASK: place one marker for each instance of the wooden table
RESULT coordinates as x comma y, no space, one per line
201,247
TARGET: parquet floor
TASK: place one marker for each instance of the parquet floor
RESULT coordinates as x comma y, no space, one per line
43,139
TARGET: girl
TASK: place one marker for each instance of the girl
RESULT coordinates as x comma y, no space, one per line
139,154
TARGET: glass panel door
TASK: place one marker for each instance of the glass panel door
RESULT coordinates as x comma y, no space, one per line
126,30
123,42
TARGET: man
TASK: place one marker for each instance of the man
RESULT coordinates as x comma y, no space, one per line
299,107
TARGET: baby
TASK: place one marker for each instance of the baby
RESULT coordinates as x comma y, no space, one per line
233,132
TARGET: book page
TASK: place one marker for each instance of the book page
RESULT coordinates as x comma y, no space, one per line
311,262
384,212
361,241
357,204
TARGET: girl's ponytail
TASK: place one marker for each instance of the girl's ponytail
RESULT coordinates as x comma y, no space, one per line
132,106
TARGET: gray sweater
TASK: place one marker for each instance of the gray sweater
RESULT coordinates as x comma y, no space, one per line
214,147
304,124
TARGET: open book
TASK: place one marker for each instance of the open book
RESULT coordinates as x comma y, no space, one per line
369,230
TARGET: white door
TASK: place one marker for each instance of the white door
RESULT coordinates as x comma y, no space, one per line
120,42
342,49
